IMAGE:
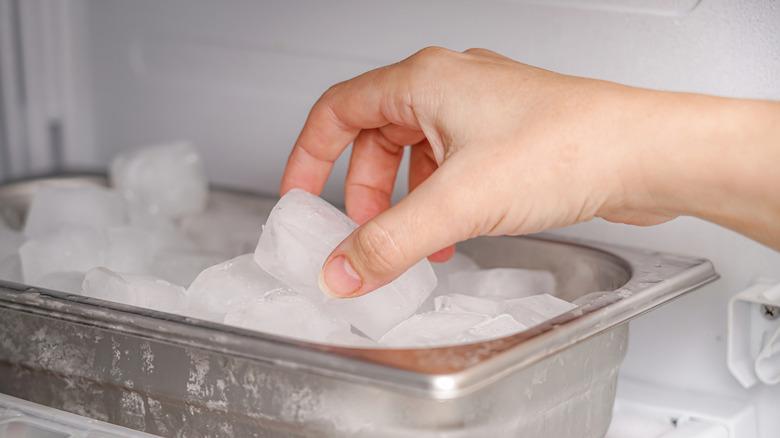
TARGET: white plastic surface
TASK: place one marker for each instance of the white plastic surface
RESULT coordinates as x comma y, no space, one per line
644,410
754,334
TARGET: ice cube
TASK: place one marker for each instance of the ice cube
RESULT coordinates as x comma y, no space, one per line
131,250
62,281
301,232
377,312
182,266
228,287
504,283
350,339
497,327
70,249
230,233
167,180
55,207
536,309
468,303
11,268
287,313
135,290
432,328
458,263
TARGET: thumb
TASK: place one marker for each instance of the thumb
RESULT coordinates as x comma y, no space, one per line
433,216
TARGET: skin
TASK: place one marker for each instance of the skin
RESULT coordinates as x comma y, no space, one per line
503,148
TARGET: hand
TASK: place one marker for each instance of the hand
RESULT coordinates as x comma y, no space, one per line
498,148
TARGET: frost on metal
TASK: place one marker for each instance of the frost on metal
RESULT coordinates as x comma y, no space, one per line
172,390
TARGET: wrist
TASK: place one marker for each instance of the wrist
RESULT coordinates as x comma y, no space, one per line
713,158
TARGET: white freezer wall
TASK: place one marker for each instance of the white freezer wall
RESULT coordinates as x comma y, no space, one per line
237,78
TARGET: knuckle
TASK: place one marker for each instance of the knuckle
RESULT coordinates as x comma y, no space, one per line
331,91
375,249
479,51
430,54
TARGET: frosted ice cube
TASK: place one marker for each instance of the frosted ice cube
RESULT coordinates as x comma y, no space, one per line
287,313
502,282
350,339
301,232
182,266
468,303
231,233
70,249
228,287
62,281
55,207
497,327
536,309
131,250
167,180
432,328
458,263
11,268
377,312
135,290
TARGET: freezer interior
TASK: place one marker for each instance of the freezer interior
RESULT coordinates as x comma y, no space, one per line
85,80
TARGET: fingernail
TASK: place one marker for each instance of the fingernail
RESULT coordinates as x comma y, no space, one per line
339,279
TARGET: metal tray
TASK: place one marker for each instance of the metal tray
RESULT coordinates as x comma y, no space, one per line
176,376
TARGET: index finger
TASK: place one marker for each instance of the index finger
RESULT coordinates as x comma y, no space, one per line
333,123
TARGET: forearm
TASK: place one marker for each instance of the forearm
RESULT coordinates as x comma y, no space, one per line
718,159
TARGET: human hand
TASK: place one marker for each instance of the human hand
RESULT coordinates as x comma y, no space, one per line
498,148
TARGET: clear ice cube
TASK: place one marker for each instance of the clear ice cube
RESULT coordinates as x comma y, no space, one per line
301,232
439,328
167,180
536,309
297,237
230,233
458,263
182,266
468,303
497,327
432,328
70,249
287,313
131,249
228,287
55,207
504,283
135,290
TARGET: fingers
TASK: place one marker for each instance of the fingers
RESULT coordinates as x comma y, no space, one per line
337,118
421,166
371,177
389,244
484,53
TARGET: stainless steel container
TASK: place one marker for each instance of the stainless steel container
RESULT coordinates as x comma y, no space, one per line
176,376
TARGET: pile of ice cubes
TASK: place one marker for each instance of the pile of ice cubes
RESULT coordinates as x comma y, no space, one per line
156,240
